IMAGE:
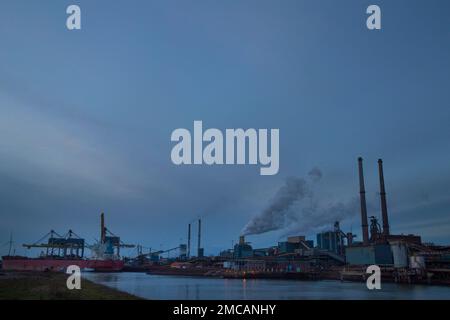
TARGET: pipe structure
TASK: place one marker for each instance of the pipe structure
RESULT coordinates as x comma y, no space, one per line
384,213
362,194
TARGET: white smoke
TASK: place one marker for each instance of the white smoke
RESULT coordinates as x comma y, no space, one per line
295,208
315,216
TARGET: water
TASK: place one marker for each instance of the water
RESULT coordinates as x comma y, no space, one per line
195,288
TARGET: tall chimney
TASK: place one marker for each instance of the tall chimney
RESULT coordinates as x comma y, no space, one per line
199,236
102,228
189,241
384,214
362,194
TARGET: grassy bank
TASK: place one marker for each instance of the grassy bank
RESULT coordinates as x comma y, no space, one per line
52,286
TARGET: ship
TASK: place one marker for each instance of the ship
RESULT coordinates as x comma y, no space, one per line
20,263
67,250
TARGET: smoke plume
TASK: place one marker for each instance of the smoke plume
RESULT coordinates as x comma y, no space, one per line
295,208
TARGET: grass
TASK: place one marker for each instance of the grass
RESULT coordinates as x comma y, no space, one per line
52,286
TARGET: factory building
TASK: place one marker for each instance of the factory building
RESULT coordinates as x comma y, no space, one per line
228,254
379,254
183,251
245,265
334,241
336,248
242,249
276,263
264,252
287,247
381,248
302,242
294,244
330,241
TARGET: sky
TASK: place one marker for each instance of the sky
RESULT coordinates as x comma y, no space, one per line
86,116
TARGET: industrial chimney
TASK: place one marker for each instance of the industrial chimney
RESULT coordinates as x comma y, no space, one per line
189,242
384,214
199,250
102,228
362,194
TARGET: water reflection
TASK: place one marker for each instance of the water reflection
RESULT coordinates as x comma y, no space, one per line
195,288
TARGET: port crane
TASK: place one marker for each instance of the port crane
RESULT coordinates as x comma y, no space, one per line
114,241
69,245
108,241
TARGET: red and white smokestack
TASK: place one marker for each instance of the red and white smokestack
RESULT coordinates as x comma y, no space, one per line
362,195
384,213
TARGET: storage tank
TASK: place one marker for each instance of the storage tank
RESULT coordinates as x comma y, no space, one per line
399,254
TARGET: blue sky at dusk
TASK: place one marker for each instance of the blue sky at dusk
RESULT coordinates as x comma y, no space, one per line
86,116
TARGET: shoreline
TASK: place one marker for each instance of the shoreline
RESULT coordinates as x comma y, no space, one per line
389,276
52,286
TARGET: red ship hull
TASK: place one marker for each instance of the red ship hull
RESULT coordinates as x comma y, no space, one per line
49,264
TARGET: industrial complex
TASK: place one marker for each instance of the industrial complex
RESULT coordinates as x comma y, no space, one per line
333,254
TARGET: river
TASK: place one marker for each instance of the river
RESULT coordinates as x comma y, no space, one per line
199,288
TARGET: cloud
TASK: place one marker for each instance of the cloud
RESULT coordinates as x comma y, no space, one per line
296,208
46,149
